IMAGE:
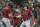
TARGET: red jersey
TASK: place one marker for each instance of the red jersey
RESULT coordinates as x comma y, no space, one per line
26,14
17,20
6,11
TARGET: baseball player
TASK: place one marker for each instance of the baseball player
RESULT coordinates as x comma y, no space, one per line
6,12
16,19
26,14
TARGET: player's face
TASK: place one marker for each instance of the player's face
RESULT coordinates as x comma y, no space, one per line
25,8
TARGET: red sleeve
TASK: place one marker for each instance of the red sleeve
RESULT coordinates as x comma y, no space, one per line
5,10
30,12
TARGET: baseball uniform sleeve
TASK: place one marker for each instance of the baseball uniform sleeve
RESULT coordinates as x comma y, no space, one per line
30,12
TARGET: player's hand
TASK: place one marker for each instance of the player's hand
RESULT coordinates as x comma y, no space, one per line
22,20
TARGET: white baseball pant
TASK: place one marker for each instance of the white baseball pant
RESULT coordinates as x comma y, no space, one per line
6,21
26,23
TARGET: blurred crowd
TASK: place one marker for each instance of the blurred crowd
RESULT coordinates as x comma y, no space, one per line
18,5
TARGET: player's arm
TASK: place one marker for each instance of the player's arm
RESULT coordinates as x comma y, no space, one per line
18,16
30,13
22,16
4,11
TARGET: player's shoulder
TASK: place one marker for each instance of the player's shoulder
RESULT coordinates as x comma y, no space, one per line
28,9
22,10
6,7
